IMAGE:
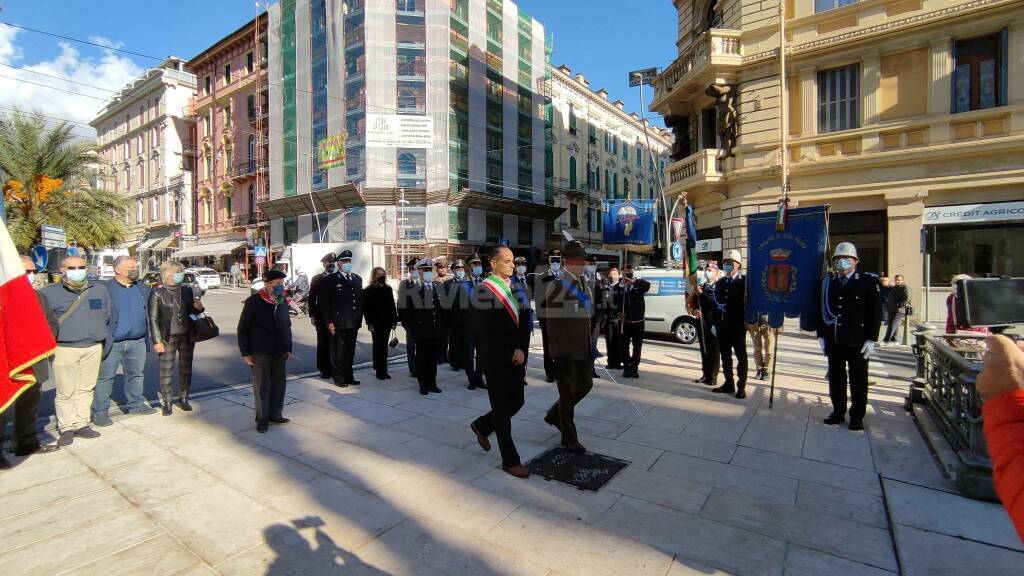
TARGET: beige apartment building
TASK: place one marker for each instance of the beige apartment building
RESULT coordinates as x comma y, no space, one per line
600,152
903,115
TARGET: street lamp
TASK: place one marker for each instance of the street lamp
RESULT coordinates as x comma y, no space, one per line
661,185
402,202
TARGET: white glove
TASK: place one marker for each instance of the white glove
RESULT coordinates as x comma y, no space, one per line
714,332
821,342
867,349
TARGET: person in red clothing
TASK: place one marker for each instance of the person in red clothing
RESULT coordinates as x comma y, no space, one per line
1001,387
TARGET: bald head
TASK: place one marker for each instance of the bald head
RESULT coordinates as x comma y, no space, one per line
502,261
28,264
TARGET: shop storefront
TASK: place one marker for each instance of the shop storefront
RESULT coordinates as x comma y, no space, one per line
867,231
709,244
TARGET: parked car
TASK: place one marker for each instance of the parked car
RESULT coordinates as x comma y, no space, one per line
666,305
207,277
100,264
152,279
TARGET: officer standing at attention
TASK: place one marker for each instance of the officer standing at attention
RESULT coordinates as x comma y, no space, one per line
523,288
554,272
474,375
597,311
409,283
323,337
849,320
341,310
702,305
425,324
454,303
729,294
440,278
612,326
629,302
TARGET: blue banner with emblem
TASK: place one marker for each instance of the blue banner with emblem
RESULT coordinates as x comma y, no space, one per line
629,222
785,268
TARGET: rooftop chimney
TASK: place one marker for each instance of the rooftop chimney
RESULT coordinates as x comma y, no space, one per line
565,69
603,93
619,104
582,80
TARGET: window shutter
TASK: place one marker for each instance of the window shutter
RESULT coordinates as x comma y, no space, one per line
952,78
1004,78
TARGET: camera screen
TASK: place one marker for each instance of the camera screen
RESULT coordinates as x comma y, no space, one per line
991,301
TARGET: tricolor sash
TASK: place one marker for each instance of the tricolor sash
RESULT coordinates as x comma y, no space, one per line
503,293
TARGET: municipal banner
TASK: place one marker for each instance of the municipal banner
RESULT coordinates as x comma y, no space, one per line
784,268
330,152
629,222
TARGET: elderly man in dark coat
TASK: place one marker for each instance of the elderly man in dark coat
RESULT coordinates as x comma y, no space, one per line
265,341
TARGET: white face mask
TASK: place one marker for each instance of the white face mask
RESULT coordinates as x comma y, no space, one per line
843,264
428,276
520,270
591,269
460,274
556,266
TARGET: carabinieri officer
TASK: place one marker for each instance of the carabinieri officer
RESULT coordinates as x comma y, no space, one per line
341,309
849,318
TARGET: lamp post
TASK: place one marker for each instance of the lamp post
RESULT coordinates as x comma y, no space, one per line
661,185
402,202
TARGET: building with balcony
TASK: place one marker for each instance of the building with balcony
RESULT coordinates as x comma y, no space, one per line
230,108
142,140
469,75
903,115
600,152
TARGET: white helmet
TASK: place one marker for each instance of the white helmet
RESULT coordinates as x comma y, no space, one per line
734,255
845,250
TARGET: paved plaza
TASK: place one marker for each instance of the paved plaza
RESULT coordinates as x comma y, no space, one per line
376,479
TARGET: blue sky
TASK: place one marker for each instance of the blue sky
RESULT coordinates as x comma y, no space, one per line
603,39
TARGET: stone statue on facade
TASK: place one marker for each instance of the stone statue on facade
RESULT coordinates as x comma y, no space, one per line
724,96
682,146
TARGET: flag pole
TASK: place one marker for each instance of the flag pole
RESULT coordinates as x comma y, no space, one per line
781,216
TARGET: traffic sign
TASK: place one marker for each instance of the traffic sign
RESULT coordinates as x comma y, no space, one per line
74,251
677,251
53,236
645,76
261,260
189,237
260,251
40,257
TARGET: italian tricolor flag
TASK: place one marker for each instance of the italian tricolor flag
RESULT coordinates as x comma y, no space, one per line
501,290
24,334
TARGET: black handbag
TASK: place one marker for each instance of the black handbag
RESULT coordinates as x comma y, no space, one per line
203,328
393,343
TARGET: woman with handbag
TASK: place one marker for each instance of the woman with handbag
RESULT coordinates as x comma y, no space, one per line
171,306
382,317
265,341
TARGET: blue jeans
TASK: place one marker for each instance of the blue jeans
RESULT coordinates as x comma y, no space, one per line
131,354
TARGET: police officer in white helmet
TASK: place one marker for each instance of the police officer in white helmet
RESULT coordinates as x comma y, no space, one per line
849,319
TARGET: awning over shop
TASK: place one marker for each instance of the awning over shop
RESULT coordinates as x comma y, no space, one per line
148,244
470,199
163,243
214,249
337,198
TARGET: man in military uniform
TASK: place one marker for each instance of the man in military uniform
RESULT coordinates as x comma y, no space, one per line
404,286
500,326
631,308
523,289
323,337
568,304
597,310
849,320
554,272
454,303
729,294
474,375
763,337
702,306
440,277
425,325
612,326
341,310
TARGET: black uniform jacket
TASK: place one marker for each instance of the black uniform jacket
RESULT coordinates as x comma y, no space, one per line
340,301
496,334
630,303
424,317
315,286
849,314
379,305
568,319
730,293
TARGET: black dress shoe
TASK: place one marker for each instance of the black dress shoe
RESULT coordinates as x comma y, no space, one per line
834,419
423,392
184,405
856,424
724,389
262,427
700,380
325,376
741,394
341,384
379,376
549,379
552,421
281,420
37,449
575,447
5,464
387,376
471,386
434,389
354,382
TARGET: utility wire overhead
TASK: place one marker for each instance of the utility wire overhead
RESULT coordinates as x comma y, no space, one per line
79,40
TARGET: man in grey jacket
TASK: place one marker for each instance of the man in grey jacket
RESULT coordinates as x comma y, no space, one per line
83,314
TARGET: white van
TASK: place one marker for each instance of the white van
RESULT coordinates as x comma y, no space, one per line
101,262
666,304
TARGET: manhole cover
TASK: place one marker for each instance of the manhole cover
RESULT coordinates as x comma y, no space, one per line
588,471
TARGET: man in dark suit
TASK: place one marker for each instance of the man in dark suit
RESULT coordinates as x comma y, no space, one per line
729,327
612,326
474,375
404,286
425,316
500,326
323,337
702,306
849,320
454,302
632,310
440,280
568,304
341,310
541,281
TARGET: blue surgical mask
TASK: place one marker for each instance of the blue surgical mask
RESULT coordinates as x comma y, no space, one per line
346,267
556,266
843,264
727,268
278,289
178,277
460,274
77,275
591,269
520,270
478,270
428,276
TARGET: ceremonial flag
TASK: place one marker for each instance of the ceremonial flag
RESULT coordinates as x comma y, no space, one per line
629,223
24,334
785,268
691,238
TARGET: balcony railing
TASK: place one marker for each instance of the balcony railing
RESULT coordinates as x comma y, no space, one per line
712,47
704,167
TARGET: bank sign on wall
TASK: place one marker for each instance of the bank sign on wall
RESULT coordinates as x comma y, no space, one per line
964,213
399,131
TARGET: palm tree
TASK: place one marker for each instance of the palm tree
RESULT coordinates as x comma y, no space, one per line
47,178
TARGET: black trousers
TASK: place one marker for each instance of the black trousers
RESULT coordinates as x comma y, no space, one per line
575,379
268,385
455,346
632,336
442,349
841,359
177,346
323,350
613,341
892,332
710,361
25,410
381,336
505,390
426,363
729,344
343,354
474,375
550,371
410,352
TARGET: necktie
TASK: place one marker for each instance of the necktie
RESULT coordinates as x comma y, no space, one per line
842,280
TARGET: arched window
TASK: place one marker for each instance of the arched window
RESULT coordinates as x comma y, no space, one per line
615,185
252,198
597,177
407,164
625,187
639,190
572,173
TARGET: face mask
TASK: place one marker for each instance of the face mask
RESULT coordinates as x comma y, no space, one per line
727,268
382,279
460,274
843,264
77,276
178,277
520,270
629,274
329,269
428,276
346,267
591,269
478,270
133,275
278,289
31,277
556,266
701,279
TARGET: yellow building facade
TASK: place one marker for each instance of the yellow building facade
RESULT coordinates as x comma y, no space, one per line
901,115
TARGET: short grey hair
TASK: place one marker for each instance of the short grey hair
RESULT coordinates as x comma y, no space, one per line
168,270
121,260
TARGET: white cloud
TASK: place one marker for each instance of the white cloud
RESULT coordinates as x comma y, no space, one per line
103,74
